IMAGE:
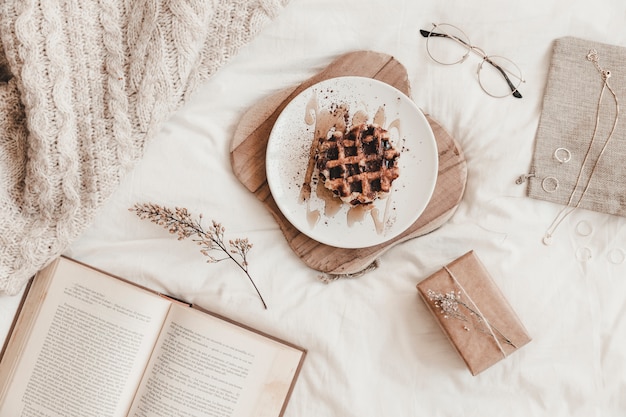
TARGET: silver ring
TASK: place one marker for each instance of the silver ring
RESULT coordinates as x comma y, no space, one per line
616,256
563,155
583,254
583,228
550,184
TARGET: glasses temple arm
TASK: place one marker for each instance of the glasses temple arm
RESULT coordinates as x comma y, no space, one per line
514,90
426,34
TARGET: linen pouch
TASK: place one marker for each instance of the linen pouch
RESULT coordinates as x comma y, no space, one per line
473,313
566,128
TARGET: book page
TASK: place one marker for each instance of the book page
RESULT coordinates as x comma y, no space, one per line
87,350
208,367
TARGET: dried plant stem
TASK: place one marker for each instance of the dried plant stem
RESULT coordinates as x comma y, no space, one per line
180,222
449,304
481,318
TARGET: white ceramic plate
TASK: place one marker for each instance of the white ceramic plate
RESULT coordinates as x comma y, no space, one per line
322,217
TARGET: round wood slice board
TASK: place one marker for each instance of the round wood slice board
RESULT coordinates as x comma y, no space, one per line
248,162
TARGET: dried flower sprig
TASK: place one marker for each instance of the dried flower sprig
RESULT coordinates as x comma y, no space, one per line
181,223
449,303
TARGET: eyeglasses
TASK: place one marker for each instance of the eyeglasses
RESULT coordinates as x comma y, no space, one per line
448,45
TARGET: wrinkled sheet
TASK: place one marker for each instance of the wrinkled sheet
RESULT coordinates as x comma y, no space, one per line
373,348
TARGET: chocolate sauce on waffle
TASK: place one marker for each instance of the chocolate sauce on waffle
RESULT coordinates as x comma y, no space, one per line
334,124
358,165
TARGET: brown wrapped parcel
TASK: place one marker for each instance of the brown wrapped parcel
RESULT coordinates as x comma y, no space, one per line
473,312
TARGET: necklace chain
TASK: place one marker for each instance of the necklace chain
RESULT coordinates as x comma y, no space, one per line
592,56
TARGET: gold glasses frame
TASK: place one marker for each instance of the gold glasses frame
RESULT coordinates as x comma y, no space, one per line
512,73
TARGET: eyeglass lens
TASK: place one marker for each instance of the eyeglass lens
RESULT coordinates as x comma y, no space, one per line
447,44
499,76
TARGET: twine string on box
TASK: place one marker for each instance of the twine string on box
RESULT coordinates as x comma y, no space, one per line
476,310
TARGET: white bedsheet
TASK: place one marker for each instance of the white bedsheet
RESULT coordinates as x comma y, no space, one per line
373,348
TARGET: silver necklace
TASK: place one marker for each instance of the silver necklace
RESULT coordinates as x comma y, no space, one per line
592,56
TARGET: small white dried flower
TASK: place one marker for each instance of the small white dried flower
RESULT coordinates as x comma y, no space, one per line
449,306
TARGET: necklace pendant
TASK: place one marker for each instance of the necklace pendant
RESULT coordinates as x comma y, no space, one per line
592,55
547,239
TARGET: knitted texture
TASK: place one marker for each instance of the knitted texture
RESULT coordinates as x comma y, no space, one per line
83,86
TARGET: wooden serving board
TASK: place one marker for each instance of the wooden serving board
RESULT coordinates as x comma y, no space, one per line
248,162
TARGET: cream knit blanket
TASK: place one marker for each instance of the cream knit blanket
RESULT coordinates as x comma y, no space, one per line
84,84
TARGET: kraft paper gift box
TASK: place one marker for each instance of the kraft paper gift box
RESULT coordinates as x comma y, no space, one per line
473,312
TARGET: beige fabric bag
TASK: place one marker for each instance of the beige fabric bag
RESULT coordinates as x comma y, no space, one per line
567,121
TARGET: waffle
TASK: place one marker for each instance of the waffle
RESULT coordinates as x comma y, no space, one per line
358,166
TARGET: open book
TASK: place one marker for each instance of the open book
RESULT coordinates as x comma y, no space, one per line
86,343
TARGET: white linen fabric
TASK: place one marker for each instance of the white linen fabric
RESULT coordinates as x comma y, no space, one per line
83,86
373,348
